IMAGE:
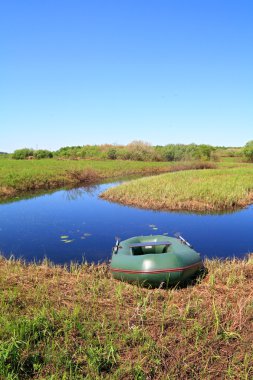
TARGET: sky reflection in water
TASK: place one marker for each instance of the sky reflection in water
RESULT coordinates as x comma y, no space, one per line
76,225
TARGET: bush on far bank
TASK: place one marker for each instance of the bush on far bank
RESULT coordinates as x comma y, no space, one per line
42,153
248,151
26,153
21,154
181,152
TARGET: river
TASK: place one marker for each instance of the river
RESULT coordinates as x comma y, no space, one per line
77,225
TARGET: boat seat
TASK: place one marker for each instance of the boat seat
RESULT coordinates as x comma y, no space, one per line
149,247
149,243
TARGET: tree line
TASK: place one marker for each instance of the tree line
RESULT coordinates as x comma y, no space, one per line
139,151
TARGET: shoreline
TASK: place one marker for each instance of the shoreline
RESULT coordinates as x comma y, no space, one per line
191,207
91,176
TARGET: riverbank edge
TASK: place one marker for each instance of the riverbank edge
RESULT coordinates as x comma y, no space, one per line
77,321
191,206
90,176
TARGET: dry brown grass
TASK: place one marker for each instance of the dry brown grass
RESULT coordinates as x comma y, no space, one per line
105,329
86,176
197,165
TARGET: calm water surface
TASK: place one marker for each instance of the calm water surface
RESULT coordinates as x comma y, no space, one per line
76,225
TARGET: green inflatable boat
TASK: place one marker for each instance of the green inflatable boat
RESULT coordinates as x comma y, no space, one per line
155,259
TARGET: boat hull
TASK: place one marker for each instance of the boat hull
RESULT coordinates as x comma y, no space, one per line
177,265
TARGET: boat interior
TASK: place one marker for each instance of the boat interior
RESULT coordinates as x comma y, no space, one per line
149,248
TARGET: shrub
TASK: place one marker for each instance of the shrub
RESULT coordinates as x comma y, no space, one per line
43,153
140,150
203,152
90,151
21,154
179,152
69,152
112,154
248,151
123,154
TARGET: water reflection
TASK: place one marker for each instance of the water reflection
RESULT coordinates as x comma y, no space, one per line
76,193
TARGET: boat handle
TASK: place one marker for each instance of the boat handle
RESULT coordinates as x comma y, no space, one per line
184,241
116,248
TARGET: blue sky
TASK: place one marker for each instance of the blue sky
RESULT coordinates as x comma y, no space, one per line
105,71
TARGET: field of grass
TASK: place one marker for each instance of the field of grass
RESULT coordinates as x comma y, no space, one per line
205,190
18,176
81,324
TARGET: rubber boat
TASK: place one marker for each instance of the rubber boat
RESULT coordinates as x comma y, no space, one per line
154,260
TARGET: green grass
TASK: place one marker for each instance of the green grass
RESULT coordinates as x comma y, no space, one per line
18,176
25,175
205,190
81,324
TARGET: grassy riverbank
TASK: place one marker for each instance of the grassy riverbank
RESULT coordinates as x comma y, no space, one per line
17,176
59,324
219,189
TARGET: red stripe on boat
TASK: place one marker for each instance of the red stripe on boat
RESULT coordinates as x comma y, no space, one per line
156,271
